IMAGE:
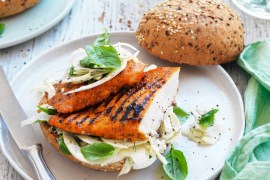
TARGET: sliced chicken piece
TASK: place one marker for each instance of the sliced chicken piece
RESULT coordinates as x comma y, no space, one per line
129,115
68,103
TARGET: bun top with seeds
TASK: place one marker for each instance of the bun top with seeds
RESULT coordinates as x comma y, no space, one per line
194,32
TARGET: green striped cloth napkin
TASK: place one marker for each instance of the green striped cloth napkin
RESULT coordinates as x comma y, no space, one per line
251,157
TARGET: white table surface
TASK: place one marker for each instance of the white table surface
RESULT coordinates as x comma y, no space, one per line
90,16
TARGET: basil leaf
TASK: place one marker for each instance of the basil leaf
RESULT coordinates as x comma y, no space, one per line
71,71
103,56
103,39
87,63
176,168
40,121
2,28
62,145
208,118
181,114
47,110
97,151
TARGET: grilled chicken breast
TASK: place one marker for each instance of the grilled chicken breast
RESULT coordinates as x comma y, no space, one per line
68,103
128,115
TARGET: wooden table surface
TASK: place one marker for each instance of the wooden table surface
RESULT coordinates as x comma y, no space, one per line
89,17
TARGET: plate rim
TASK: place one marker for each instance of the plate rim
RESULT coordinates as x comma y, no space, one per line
128,33
7,154
248,12
242,113
41,30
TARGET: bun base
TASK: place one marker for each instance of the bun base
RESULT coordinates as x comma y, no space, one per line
52,138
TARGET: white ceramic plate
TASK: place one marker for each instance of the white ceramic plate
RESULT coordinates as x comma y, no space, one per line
256,10
33,22
199,86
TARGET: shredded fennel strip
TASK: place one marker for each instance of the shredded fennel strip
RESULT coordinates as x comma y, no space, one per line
203,135
76,56
87,139
79,79
73,147
125,44
47,106
160,157
127,167
31,120
123,52
85,74
121,143
150,67
146,163
48,87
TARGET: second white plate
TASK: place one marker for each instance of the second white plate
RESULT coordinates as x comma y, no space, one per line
208,87
33,22
254,8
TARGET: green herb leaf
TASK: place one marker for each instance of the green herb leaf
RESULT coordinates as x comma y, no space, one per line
103,39
103,56
47,110
181,114
62,145
40,121
176,168
97,151
208,118
71,71
2,28
87,63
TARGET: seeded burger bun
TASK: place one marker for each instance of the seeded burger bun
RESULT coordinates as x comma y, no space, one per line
194,32
12,7
52,138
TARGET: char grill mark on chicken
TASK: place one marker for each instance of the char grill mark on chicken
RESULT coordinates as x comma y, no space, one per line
125,115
